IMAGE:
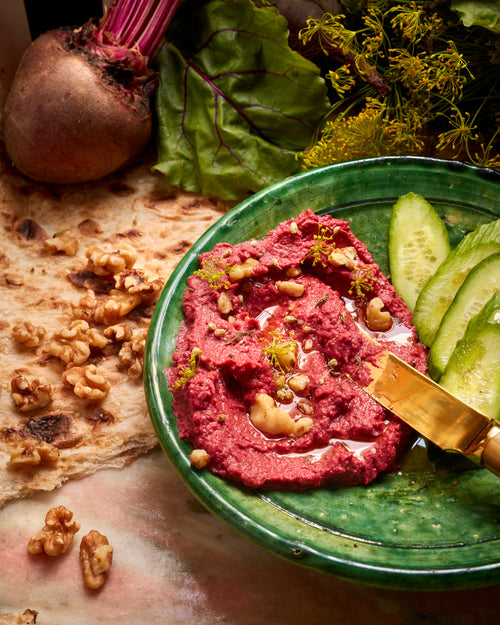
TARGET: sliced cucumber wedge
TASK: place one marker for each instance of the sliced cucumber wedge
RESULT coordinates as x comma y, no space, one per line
439,291
473,372
483,234
418,244
476,290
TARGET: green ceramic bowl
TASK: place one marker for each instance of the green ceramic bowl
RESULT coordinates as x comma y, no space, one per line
435,524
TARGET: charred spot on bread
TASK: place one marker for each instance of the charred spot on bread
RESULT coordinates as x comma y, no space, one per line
133,233
98,417
53,428
89,227
86,279
29,230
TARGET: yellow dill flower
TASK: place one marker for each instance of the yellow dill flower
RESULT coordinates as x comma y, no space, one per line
215,272
341,79
280,350
445,72
460,133
409,69
323,245
364,281
375,130
484,157
414,22
186,372
330,33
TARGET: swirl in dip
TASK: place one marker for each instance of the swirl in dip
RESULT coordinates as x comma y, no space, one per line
275,335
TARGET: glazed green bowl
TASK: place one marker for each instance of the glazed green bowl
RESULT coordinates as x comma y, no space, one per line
433,525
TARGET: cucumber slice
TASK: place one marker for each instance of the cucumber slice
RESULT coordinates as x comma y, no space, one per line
475,291
473,373
483,234
439,291
418,244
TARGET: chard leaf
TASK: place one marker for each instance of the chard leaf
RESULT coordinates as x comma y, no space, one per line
235,103
477,13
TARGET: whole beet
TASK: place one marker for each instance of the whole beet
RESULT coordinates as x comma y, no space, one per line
82,127
78,108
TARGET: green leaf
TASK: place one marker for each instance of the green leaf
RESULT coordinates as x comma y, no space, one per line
486,14
235,103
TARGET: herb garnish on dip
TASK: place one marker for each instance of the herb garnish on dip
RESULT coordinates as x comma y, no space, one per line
275,333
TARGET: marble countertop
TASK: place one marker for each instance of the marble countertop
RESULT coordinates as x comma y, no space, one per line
176,563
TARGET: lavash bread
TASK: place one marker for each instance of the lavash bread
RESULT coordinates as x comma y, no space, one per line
81,267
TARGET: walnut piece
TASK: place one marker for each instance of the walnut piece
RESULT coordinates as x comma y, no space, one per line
117,305
73,343
87,382
377,319
199,458
62,243
105,311
57,535
132,353
270,419
135,282
85,307
291,288
224,304
29,394
119,332
96,556
298,383
104,263
27,334
31,453
245,270
344,257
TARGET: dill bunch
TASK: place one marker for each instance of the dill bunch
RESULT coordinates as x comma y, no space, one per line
405,78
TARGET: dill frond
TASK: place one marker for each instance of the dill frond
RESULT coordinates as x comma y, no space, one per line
186,372
280,350
323,245
461,131
363,282
215,272
409,78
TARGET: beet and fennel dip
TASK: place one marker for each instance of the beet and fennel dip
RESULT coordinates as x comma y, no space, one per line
275,334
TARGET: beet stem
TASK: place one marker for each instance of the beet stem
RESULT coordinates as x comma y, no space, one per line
139,24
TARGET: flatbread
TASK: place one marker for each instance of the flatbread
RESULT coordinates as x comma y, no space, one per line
75,261
28,617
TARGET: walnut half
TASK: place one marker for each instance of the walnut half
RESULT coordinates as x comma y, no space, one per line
131,353
104,263
57,535
31,453
62,244
96,556
87,382
73,343
27,334
29,394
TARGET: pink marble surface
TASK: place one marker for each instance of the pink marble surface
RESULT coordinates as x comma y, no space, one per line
175,563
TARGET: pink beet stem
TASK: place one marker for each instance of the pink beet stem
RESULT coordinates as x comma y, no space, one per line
138,24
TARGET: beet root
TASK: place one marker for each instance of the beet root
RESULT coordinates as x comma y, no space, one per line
67,119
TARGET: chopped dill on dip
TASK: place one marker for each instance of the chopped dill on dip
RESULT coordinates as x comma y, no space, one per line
293,339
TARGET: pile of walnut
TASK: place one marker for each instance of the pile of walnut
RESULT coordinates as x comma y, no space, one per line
98,323
56,537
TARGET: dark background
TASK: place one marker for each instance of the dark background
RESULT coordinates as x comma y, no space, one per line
45,15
